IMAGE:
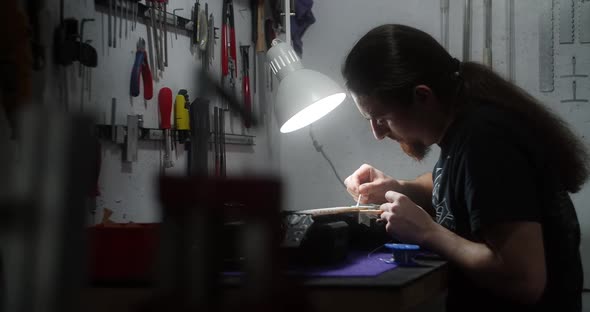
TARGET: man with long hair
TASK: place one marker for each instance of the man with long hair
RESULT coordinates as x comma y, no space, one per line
496,204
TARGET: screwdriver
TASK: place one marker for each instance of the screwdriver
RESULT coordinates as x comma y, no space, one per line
246,84
165,105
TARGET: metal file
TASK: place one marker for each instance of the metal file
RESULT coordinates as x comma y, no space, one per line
566,21
584,22
546,62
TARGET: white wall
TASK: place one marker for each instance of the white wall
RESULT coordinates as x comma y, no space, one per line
346,136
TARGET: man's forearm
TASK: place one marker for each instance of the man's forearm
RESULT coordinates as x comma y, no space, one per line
483,265
419,191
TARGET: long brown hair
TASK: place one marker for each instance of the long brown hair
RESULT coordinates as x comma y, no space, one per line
390,60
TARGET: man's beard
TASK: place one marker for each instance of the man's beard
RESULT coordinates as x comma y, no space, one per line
418,151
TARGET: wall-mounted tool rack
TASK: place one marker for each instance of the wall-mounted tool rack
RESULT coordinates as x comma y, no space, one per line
106,132
178,22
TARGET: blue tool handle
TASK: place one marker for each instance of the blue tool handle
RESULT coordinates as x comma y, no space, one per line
135,73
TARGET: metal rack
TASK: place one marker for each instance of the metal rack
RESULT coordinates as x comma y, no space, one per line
178,22
154,134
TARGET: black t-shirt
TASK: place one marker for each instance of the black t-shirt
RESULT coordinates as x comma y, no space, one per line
491,170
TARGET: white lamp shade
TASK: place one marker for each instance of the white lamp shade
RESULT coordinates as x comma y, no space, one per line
304,95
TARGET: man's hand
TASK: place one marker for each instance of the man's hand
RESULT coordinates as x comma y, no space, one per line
406,221
371,184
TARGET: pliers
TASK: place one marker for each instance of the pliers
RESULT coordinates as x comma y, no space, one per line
141,66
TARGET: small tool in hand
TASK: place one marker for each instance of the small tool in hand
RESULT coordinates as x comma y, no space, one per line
358,201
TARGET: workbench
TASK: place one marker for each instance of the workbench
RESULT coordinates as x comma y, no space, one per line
397,290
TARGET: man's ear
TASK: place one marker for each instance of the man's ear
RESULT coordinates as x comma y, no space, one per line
422,94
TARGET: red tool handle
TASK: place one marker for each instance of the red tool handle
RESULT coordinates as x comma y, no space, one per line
247,100
146,76
165,105
224,63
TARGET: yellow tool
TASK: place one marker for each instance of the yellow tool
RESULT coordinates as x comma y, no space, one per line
181,111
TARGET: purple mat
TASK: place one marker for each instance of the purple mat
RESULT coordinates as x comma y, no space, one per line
357,265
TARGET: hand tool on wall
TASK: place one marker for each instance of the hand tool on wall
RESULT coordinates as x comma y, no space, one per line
195,20
120,5
114,3
165,21
165,105
216,141
574,73
110,21
211,36
141,68
511,46
132,17
181,119
228,51
102,33
566,21
218,138
444,23
152,8
228,39
135,9
203,31
181,111
585,22
126,18
204,38
260,38
467,31
546,72
254,22
575,98
161,21
257,35
85,83
487,54
222,158
176,22
160,35
150,54
246,84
